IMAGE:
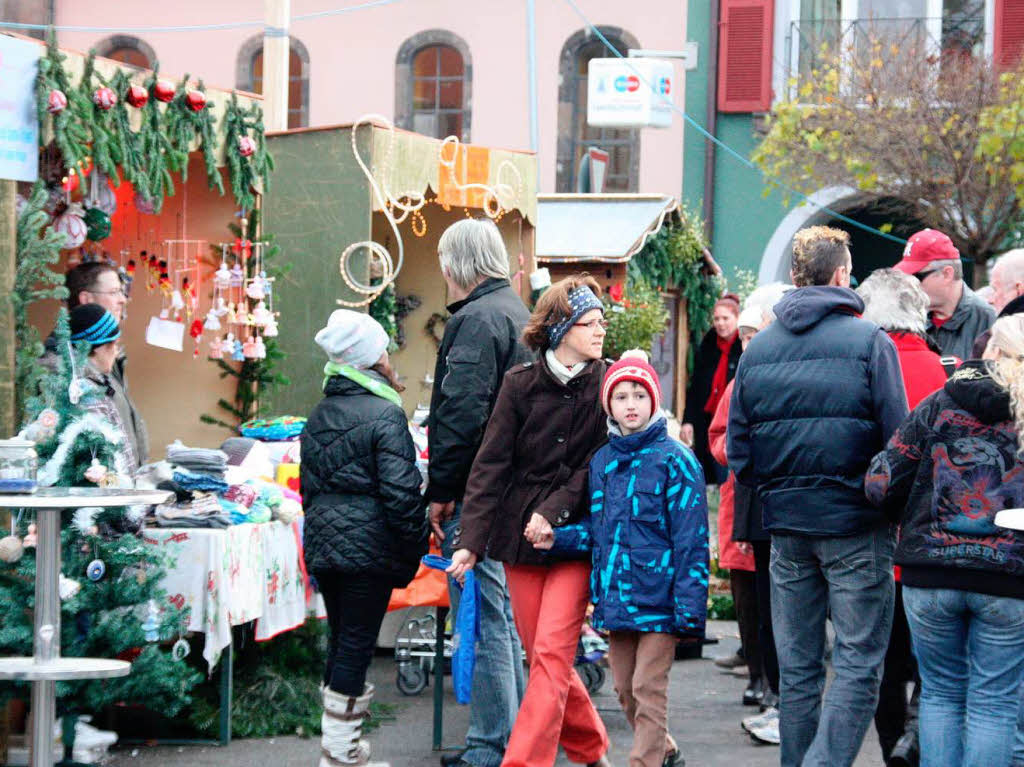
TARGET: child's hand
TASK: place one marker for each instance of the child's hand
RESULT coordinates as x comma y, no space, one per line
546,542
538,529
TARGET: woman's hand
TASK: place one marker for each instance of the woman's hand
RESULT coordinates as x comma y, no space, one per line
686,434
545,542
538,530
463,561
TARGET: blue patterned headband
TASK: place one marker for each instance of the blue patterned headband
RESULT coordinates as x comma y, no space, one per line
581,301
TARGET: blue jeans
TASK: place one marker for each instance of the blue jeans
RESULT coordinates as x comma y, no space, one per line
970,650
498,679
851,579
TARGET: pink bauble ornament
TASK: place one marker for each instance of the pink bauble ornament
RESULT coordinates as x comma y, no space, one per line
56,102
70,223
163,90
246,146
104,98
196,100
137,96
144,204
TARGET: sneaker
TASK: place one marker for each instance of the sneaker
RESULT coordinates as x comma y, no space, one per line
732,661
750,722
767,732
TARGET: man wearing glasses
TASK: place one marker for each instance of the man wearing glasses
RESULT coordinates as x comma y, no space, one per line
956,316
98,282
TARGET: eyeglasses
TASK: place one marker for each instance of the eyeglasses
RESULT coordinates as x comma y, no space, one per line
115,292
592,325
922,275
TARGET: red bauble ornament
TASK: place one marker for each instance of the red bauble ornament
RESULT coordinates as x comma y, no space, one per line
196,100
163,90
137,96
56,102
70,182
104,98
246,146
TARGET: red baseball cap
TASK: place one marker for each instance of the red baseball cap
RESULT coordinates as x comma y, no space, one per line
924,247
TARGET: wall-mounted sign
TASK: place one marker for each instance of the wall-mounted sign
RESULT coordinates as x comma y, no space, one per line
19,126
630,93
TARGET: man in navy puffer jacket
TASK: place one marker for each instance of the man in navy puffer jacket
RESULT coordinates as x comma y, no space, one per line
817,394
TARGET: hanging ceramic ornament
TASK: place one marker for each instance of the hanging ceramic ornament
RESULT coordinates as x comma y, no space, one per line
249,349
163,90
270,329
44,427
196,100
237,276
237,354
231,318
96,472
56,102
260,352
216,348
11,549
97,224
75,390
255,289
222,277
220,308
31,538
246,146
261,315
180,650
151,626
96,570
72,226
137,96
67,588
212,321
104,98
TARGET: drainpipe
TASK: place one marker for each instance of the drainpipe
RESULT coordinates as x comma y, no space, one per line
711,124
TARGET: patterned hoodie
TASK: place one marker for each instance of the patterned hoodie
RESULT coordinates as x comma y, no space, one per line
944,474
647,532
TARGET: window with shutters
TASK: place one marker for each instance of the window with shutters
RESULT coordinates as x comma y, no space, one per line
745,55
575,136
1009,33
249,76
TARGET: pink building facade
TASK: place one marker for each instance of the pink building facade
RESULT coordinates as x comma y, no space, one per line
435,66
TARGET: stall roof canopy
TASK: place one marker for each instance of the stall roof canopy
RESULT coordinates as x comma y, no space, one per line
604,228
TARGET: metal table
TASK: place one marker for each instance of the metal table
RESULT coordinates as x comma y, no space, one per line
45,668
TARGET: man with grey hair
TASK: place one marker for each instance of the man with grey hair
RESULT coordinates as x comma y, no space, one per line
481,342
1007,283
956,316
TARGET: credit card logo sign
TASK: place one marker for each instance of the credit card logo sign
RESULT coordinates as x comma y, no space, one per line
664,86
628,84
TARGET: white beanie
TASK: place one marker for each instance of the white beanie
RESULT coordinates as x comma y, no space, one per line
751,317
352,338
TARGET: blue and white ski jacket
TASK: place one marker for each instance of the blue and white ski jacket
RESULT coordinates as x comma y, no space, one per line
647,532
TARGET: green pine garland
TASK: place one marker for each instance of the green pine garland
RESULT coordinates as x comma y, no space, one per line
133,160
38,247
248,174
106,149
184,124
161,155
70,125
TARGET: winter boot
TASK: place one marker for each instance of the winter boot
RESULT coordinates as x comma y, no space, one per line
342,725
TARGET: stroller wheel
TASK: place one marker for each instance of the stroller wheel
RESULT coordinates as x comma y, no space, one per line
592,676
412,679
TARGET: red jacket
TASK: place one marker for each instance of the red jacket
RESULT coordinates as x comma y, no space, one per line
729,554
922,371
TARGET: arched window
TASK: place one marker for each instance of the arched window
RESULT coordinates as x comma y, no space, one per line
128,50
250,77
432,89
574,135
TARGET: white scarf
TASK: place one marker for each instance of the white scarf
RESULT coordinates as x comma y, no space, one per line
561,372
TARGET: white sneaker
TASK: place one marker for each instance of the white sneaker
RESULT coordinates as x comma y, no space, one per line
768,731
768,715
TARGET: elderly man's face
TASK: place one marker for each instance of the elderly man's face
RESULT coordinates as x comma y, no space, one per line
1004,289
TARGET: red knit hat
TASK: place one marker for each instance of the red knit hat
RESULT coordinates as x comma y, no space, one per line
632,366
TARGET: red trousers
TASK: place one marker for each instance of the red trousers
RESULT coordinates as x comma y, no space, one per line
549,604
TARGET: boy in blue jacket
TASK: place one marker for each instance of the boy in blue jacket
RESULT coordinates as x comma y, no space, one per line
648,537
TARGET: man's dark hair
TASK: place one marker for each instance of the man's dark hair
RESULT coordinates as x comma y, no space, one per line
85,277
817,252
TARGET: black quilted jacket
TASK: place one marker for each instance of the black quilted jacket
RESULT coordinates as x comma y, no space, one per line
361,487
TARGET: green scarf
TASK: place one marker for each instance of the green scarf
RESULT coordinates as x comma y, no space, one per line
369,383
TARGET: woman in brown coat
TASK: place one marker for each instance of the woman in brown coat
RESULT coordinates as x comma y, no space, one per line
531,474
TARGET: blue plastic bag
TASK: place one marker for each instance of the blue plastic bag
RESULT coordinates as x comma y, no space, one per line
467,630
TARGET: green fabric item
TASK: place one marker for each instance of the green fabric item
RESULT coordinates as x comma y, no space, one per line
369,383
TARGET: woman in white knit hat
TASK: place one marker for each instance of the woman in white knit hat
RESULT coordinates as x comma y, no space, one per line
365,527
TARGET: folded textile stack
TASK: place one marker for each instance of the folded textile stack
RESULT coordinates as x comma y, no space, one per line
202,510
198,459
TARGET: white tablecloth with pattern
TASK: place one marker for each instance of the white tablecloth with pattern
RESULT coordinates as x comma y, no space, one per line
230,576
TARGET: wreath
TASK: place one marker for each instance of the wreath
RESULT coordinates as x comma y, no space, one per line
431,327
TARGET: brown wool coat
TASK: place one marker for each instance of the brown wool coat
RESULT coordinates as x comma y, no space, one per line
534,458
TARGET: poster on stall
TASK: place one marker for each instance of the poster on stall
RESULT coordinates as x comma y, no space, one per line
19,127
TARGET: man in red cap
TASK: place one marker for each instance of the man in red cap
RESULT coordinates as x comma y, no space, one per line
956,316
